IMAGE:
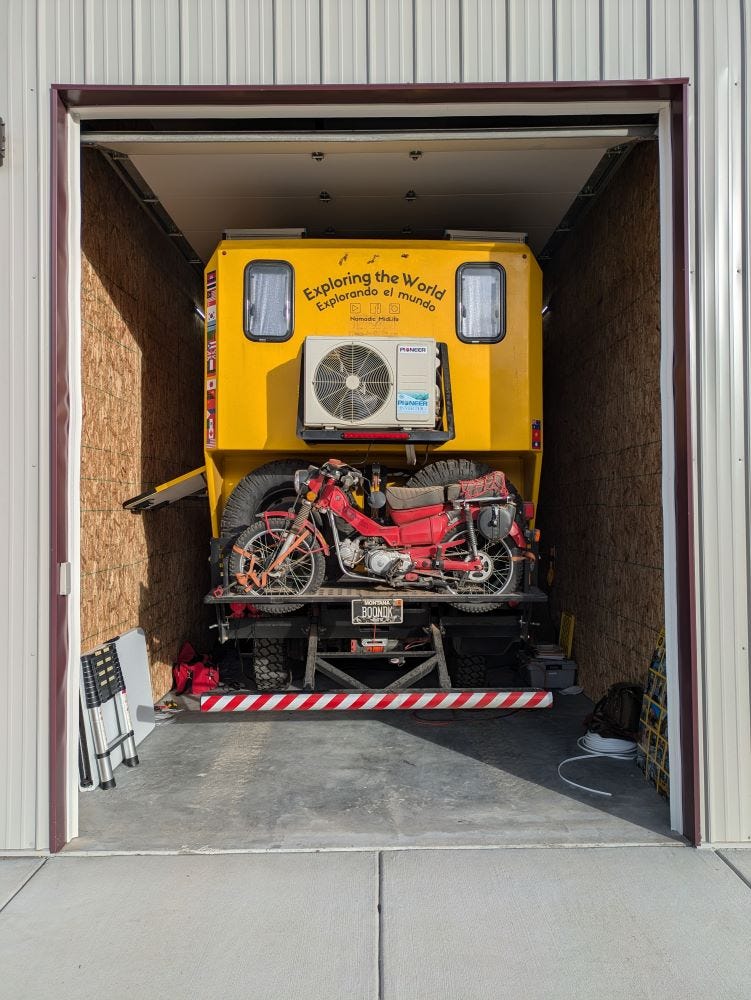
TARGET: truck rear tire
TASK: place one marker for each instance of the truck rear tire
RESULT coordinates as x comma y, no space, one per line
270,487
270,665
469,671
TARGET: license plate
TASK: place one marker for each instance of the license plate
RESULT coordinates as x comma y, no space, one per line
378,611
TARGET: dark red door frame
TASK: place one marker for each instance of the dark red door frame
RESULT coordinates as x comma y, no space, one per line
66,97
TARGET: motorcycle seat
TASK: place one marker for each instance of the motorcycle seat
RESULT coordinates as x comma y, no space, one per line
409,497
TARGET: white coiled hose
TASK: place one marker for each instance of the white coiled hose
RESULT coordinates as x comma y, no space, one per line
595,745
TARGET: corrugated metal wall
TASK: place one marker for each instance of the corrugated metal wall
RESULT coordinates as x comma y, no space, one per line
392,41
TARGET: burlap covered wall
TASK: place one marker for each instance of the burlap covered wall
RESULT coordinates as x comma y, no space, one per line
142,407
601,486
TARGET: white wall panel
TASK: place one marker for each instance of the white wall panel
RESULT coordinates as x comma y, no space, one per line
437,41
577,40
531,41
250,41
156,41
390,41
297,41
671,37
108,34
394,41
624,40
23,538
61,33
344,47
723,456
203,41
484,41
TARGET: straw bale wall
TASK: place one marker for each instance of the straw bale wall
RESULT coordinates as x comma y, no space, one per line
142,405
601,487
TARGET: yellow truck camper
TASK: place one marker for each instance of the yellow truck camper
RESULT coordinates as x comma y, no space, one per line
373,442
266,301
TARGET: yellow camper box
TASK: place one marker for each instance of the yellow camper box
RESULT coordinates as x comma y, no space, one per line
479,301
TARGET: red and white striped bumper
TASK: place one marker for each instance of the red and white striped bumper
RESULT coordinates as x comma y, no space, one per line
369,701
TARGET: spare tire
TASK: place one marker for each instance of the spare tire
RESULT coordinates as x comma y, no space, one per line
269,487
447,471
451,470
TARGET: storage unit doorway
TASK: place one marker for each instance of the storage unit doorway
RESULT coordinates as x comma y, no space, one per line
541,122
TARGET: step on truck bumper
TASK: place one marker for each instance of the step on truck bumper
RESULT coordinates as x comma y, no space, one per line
370,701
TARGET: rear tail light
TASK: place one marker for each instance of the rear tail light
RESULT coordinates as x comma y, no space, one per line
529,510
375,436
536,435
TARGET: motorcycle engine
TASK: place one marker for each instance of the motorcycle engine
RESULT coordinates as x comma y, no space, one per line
351,550
385,562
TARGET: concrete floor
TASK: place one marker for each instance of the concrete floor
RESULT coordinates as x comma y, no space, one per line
377,780
541,924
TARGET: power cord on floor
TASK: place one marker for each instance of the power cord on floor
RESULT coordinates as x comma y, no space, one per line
595,745
465,715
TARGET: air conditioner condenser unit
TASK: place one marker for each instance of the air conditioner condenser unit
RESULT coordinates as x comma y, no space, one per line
377,382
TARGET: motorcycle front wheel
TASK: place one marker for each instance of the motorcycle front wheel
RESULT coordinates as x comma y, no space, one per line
300,572
504,577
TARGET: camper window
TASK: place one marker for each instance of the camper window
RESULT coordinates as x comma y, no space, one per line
268,300
480,303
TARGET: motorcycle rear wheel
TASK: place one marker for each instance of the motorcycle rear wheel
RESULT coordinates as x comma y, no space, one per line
505,578
300,573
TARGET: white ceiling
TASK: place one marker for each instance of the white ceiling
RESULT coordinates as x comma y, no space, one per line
521,183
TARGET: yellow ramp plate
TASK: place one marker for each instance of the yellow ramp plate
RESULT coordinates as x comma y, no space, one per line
190,485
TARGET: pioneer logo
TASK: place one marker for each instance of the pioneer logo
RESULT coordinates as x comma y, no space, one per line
412,349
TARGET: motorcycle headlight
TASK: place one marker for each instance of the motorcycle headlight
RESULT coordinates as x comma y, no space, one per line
301,476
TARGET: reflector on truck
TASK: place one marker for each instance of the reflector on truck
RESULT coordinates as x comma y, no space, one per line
191,484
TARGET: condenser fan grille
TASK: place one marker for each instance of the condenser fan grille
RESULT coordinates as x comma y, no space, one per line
352,382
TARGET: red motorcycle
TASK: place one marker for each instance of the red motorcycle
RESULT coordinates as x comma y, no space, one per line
462,539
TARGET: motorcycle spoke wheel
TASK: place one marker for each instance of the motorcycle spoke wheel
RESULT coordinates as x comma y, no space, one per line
502,577
301,572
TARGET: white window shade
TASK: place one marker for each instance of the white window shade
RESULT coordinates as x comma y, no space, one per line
268,300
480,303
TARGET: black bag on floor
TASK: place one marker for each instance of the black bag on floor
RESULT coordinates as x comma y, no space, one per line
616,715
231,670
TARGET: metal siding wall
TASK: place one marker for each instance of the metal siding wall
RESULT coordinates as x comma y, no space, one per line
203,41
250,42
484,41
671,38
156,41
344,46
108,37
437,41
625,40
577,40
23,614
722,374
532,40
297,41
392,41
390,48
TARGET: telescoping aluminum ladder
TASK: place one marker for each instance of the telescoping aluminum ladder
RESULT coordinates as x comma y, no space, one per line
103,681
397,695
